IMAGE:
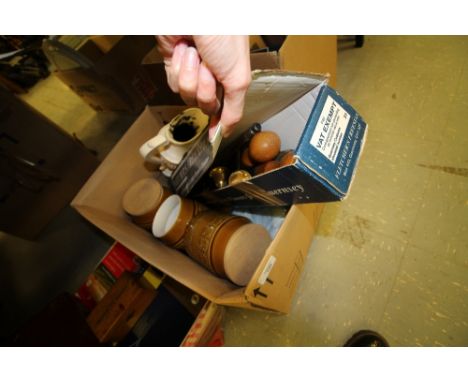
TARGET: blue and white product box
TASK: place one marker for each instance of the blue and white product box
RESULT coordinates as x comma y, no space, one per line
326,134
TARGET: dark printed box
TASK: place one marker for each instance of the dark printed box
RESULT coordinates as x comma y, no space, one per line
325,132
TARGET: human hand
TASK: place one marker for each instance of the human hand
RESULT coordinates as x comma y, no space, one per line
195,64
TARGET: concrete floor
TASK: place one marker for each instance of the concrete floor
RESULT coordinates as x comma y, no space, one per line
393,257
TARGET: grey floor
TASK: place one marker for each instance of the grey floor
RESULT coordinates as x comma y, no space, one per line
393,257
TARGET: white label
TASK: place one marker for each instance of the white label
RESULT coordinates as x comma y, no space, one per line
266,271
330,129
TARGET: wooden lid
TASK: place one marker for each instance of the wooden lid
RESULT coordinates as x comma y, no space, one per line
143,197
244,251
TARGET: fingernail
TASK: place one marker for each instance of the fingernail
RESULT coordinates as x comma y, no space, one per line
191,58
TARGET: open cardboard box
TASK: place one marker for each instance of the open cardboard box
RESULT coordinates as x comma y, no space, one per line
277,276
273,284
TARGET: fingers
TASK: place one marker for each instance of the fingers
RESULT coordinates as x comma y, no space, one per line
173,62
233,104
193,80
225,61
206,91
233,107
188,76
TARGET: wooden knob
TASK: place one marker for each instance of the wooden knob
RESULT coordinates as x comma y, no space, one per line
265,167
245,158
287,158
264,146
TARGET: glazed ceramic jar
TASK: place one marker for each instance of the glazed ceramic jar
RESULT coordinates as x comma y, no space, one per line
229,246
142,200
172,219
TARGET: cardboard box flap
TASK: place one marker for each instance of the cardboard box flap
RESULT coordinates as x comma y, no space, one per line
276,278
237,299
270,92
153,57
310,53
233,298
105,43
107,196
317,54
264,60
90,50
101,92
332,140
97,195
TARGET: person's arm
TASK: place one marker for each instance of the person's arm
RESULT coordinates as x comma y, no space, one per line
194,66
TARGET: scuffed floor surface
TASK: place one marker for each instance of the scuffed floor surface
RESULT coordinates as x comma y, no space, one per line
393,257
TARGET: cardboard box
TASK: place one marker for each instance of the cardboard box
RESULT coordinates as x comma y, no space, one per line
325,132
206,330
105,43
41,168
275,280
314,54
151,81
108,84
273,285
